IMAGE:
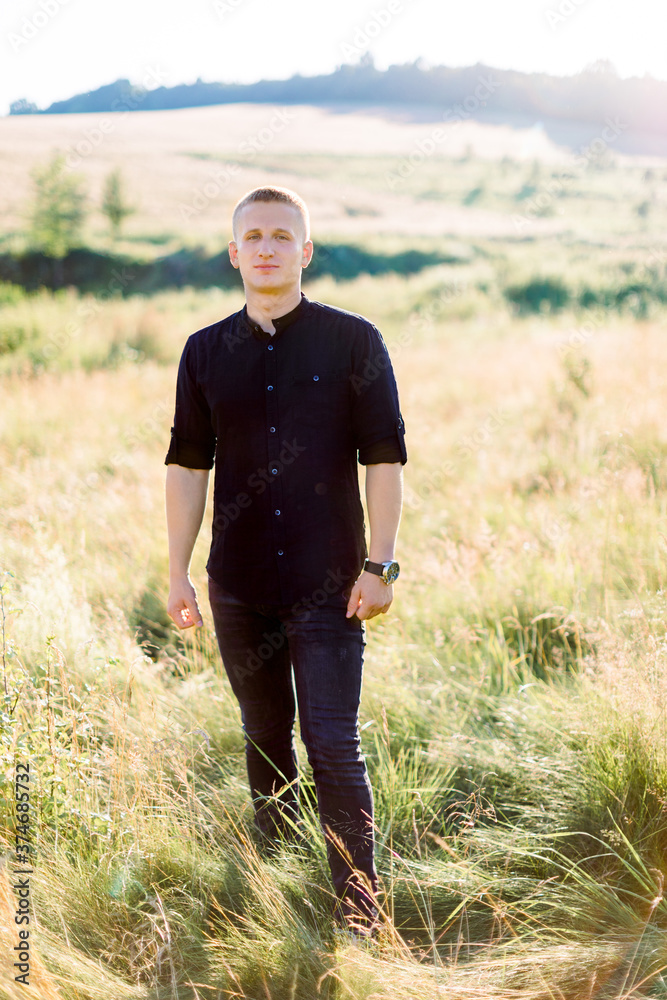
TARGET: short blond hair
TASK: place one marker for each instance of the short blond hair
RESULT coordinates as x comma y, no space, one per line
269,194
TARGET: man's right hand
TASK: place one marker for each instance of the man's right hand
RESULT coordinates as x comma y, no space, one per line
182,605
186,499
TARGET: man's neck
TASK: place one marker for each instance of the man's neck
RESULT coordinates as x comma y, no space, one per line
262,309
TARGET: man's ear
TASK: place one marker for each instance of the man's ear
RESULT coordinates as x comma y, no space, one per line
307,253
233,253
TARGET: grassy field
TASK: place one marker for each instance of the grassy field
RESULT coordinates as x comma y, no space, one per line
514,698
363,171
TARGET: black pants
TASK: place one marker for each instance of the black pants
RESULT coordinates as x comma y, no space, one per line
275,659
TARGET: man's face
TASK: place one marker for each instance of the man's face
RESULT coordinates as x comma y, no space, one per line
270,247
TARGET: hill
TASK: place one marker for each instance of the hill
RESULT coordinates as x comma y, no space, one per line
587,97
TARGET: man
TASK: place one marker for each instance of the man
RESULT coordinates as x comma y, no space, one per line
284,397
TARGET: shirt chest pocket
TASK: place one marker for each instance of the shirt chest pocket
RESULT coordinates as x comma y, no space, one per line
321,397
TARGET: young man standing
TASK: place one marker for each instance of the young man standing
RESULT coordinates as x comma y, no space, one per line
284,397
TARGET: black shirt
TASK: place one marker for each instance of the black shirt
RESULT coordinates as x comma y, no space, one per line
285,416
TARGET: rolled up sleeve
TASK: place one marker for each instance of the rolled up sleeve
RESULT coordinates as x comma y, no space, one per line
192,436
377,423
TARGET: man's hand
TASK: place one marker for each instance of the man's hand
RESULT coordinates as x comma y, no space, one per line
370,597
182,605
186,499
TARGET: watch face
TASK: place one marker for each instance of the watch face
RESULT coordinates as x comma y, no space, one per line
390,573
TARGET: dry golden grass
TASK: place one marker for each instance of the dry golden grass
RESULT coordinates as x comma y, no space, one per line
42,985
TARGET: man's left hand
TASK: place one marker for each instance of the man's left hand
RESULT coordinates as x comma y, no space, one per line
370,597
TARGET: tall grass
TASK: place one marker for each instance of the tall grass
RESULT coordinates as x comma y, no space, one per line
513,712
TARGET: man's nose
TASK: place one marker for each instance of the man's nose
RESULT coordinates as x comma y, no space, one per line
265,249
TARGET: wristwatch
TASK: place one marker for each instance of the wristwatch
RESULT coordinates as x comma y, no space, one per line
387,571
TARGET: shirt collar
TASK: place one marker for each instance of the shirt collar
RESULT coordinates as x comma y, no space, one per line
281,323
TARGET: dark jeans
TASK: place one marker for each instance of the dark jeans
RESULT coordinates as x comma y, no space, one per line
270,653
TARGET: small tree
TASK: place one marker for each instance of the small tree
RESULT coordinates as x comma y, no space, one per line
23,107
114,205
58,212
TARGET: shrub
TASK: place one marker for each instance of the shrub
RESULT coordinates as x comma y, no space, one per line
539,295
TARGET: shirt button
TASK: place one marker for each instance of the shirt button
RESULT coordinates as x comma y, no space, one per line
280,552
272,429
269,387
316,378
274,471
277,512
270,347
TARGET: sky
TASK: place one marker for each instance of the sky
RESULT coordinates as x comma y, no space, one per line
53,49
